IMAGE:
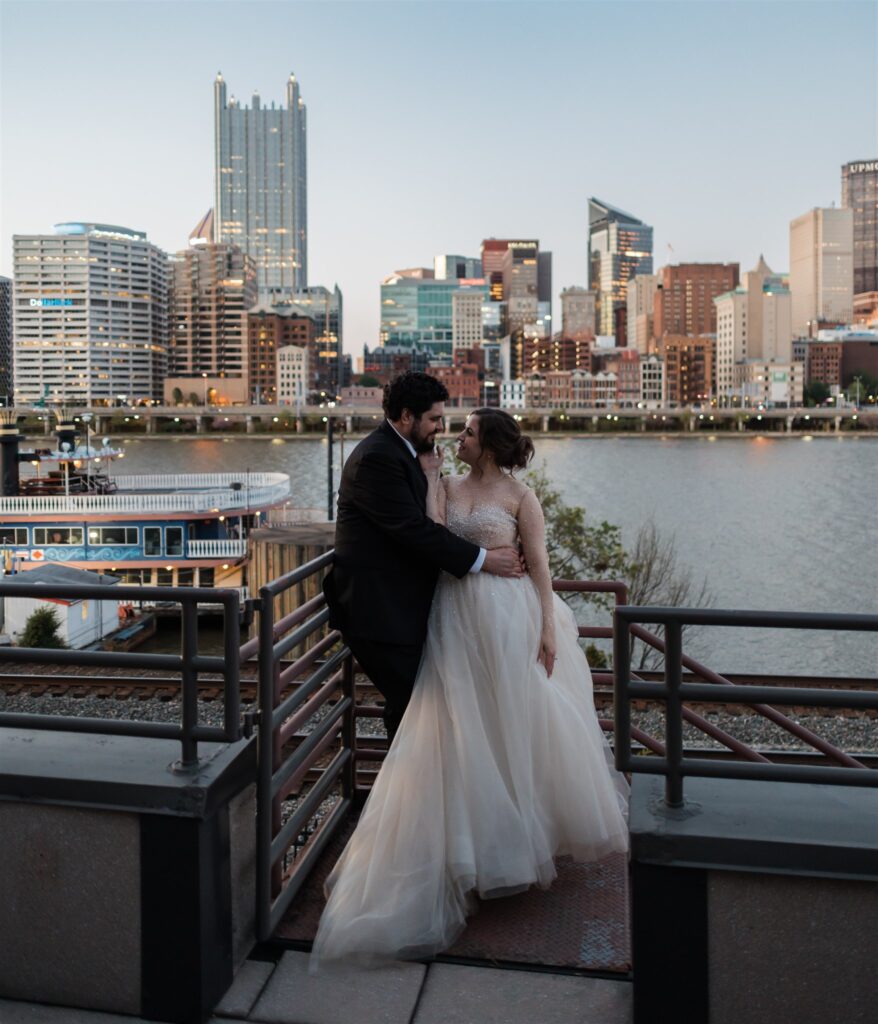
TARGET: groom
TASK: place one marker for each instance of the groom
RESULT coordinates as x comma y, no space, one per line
388,553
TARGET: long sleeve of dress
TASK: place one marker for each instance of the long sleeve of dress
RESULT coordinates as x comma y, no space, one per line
532,531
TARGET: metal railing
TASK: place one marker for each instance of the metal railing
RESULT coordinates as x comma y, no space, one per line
279,719
188,664
674,692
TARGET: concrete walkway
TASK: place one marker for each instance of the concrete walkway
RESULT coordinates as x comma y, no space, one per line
403,993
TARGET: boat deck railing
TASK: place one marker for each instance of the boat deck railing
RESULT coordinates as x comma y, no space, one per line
195,493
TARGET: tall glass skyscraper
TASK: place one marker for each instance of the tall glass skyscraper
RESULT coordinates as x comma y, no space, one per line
619,246
261,186
859,192
5,341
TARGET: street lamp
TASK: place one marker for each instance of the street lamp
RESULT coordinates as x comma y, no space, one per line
86,419
204,378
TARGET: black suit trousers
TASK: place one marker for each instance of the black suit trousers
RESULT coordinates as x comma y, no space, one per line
393,669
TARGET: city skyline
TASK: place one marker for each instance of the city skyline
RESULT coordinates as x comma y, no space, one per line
416,150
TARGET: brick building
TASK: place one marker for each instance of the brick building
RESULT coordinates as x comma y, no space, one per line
683,303
268,331
689,368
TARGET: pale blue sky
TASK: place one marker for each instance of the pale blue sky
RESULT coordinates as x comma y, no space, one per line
434,125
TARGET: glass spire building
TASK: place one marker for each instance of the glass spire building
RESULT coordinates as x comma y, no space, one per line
619,246
261,186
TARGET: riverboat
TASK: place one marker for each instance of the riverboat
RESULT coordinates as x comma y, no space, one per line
66,505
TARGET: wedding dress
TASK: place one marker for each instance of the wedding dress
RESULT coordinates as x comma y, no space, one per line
496,769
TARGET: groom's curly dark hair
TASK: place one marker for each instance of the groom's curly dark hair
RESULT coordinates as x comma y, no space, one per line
414,391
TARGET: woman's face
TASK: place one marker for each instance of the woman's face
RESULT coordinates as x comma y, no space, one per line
468,448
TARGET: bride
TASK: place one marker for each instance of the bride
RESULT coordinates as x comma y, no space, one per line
500,764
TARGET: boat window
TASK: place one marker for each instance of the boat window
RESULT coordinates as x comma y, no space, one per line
112,535
205,577
57,535
185,577
174,540
164,577
13,535
141,577
152,540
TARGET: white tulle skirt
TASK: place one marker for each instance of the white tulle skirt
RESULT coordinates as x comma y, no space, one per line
495,770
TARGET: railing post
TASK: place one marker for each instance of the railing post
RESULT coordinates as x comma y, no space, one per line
265,764
621,679
189,682
349,728
674,714
232,659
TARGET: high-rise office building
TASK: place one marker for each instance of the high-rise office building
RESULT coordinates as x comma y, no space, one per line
752,323
493,251
450,268
261,186
620,246
418,311
90,315
821,269
5,341
327,366
466,318
521,284
685,293
689,369
270,331
577,312
213,284
859,193
640,320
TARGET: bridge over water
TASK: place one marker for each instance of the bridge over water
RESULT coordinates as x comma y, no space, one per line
153,418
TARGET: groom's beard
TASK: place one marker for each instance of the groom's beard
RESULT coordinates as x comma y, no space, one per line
423,443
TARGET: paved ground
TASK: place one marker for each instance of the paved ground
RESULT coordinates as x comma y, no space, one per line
403,993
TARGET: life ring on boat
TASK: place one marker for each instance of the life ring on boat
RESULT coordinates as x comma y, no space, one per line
37,556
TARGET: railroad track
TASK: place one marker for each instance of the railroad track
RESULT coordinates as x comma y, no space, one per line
146,686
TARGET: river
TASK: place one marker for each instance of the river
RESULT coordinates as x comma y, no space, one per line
787,523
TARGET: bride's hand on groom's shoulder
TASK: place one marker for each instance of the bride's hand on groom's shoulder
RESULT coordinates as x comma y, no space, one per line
431,462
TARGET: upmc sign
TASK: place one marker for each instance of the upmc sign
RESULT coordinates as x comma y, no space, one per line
863,168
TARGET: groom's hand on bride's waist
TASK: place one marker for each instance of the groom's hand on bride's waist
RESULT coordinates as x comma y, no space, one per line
506,561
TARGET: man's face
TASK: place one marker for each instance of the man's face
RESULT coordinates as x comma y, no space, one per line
427,427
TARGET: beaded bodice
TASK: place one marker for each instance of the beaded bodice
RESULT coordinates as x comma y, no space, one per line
489,526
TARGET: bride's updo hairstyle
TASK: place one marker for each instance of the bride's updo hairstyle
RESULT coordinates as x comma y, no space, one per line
500,434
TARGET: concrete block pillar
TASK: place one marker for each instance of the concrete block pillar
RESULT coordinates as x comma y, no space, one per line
150,424
349,424
789,424
545,425
836,424
200,425
300,425
125,887
248,424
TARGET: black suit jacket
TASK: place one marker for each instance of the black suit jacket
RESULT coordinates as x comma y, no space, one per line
388,553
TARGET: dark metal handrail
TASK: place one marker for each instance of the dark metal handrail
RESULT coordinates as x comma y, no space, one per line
329,679
673,691
189,663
